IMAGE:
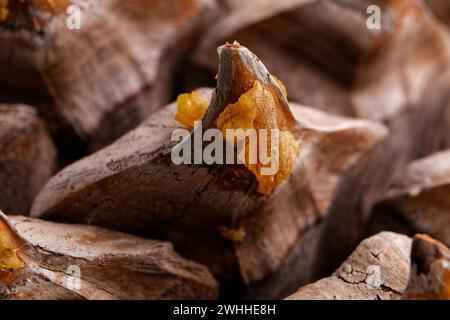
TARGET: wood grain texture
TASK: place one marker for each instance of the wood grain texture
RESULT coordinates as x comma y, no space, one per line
27,157
419,200
96,83
112,265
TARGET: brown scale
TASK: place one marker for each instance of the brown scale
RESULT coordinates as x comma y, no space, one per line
30,14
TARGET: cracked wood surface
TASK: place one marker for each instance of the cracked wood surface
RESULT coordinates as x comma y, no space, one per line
113,265
27,157
378,269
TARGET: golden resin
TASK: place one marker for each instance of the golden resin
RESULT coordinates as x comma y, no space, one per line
255,109
9,260
446,288
191,108
234,235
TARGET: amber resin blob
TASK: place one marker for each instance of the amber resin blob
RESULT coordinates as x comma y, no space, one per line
9,247
255,109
